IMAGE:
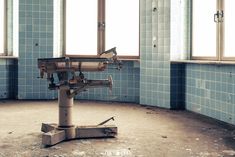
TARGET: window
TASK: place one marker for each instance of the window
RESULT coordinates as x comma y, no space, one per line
81,27
204,28
122,31
229,46
2,27
9,27
213,30
93,26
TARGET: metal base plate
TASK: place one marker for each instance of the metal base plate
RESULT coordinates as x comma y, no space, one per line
54,134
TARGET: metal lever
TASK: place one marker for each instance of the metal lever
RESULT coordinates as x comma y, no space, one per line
85,84
106,121
111,51
219,16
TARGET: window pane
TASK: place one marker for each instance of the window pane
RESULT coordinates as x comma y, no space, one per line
204,28
15,36
81,27
1,26
229,28
122,26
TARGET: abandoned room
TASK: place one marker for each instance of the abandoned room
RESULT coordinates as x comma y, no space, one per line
117,78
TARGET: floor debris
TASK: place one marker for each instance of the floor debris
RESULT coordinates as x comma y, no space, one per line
79,154
168,134
164,136
229,152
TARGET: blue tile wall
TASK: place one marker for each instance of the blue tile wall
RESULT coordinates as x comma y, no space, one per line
155,61
177,91
35,41
125,84
8,79
210,90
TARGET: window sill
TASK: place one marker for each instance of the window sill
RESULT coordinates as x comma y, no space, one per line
129,59
8,57
203,62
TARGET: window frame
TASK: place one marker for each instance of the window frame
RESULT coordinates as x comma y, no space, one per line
220,36
11,29
192,42
100,33
4,53
223,41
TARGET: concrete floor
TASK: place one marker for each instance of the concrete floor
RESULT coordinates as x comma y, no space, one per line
143,131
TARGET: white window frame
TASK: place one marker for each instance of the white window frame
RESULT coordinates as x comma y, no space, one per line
11,29
220,35
4,34
100,32
223,34
198,57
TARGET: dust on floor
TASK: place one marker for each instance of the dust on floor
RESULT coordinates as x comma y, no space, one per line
142,131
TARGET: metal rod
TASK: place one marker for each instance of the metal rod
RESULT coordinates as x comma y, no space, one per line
106,121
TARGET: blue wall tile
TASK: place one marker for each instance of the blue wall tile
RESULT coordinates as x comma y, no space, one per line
177,90
8,78
125,84
33,36
209,90
155,61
